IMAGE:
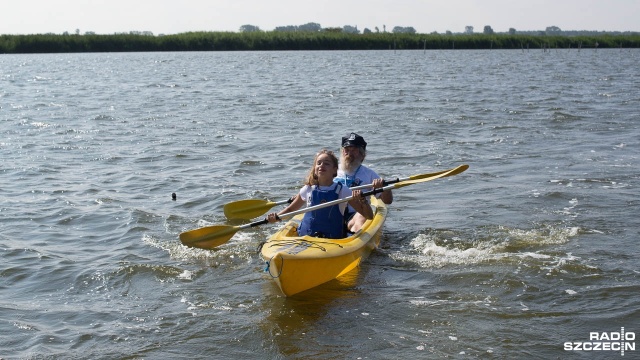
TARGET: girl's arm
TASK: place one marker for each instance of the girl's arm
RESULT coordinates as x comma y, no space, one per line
296,204
361,205
386,196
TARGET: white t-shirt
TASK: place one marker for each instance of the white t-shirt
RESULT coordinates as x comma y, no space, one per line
305,194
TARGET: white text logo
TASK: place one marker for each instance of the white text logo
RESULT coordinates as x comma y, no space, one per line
605,341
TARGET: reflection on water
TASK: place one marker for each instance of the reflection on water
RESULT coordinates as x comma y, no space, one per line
293,322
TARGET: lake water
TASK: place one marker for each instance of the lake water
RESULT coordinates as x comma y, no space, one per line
533,247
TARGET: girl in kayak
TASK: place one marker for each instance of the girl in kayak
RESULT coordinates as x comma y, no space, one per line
319,188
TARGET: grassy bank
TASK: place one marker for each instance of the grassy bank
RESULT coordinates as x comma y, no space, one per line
273,40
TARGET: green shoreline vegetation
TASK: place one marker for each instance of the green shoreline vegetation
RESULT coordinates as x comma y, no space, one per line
303,40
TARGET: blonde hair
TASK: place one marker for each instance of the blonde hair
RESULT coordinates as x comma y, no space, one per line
311,178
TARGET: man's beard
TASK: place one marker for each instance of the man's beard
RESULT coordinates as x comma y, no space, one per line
348,164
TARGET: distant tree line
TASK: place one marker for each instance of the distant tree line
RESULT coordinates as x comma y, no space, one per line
326,39
550,30
488,30
315,27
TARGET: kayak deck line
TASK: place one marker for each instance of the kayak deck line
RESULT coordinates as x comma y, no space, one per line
295,243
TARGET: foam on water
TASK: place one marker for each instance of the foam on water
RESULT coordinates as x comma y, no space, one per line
224,255
438,249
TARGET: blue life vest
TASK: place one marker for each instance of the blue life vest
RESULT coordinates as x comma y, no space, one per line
348,180
327,222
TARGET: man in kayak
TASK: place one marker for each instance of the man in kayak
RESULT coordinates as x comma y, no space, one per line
319,187
351,172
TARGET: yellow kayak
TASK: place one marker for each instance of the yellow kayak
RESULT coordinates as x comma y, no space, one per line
298,263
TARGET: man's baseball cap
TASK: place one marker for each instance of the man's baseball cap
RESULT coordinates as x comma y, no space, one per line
354,139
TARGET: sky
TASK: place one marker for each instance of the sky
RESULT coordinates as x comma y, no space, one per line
426,16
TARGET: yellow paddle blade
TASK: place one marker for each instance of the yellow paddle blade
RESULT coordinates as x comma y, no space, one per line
247,209
429,175
208,237
454,171
457,170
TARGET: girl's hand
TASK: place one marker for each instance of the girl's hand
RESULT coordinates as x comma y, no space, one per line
273,217
357,194
360,204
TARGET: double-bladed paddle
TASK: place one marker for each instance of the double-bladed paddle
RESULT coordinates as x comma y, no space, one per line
213,236
252,208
